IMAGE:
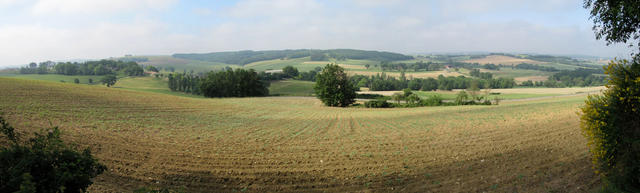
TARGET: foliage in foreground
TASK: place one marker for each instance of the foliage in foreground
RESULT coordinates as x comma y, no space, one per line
44,164
610,123
334,88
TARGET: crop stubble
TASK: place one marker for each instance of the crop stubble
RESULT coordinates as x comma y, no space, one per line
296,144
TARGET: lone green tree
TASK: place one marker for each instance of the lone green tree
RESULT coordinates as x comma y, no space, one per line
610,121
109,80
333,87
290,71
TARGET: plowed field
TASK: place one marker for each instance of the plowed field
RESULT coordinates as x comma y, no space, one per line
295,144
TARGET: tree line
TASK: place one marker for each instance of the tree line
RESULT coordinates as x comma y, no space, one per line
483,75
469,97
184,82
101,67
417,66
536,67
248,56
290,72
382,82
571,78
225,83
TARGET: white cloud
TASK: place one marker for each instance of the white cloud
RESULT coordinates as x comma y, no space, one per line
408,27
7,2
203,11
96,6
377,3
27,43
254,8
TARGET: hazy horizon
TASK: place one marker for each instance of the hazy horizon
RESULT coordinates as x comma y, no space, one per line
39,30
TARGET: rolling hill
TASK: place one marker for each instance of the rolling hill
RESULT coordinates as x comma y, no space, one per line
356,61
246,57
295,144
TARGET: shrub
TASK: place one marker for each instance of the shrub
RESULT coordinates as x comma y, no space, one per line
290,71
397,97
44,164
413,100
461,98
371,96
610,124
433,100
406,92
379,103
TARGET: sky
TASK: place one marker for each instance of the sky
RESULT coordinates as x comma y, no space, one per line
40,30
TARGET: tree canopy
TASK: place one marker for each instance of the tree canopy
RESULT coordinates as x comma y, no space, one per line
333,87
610,121
233,83
109,80
290,71
617,21
248,56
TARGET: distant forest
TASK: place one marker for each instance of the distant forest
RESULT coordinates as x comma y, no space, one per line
248,56
101,67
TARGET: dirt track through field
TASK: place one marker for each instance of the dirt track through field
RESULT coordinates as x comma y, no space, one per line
294,144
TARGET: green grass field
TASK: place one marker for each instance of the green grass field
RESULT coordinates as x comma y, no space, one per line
182,65
148,84
452,95
55,78
352,66
295,144
291,88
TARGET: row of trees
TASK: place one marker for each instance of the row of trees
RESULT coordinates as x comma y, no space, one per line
233,83
577,77
225,83
382,82
290,72
101,67
418,66
483,75
183,82
248,56
536,67
41,68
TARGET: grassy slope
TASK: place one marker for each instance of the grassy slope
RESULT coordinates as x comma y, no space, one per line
55,78
145,83
181,65
148,84
451,95
352,66
270,144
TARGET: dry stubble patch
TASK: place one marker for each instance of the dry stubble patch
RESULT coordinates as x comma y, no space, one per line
295,144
